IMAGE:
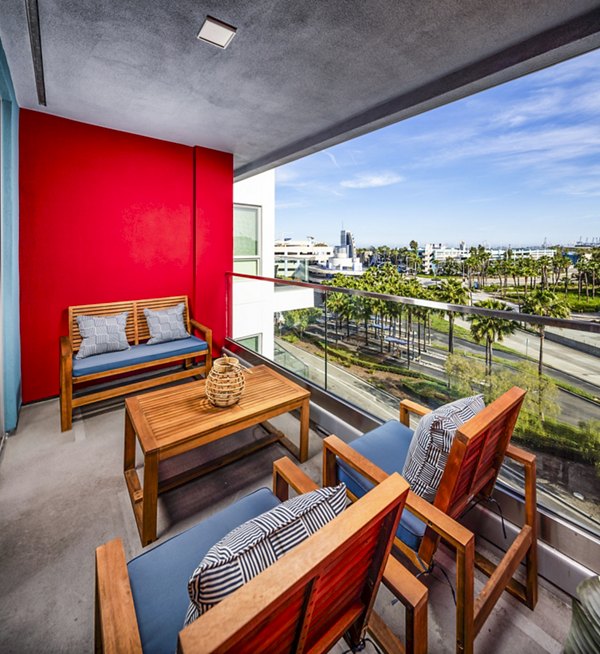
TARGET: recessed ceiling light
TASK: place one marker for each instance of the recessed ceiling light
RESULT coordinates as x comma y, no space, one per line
216,32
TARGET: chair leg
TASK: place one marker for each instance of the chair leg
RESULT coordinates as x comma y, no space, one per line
329,469
465,607
531,520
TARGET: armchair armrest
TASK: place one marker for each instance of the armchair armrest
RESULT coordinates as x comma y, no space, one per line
519,455
286,475
335,447
450,530
407,407
403,584
116,623
413,595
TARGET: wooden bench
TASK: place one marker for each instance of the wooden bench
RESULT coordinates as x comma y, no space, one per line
133,360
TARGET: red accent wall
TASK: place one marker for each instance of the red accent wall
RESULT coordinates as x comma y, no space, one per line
107,216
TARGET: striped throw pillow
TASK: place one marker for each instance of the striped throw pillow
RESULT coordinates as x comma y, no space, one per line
254,546
430,445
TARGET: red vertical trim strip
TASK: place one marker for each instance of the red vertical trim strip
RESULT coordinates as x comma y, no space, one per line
214,238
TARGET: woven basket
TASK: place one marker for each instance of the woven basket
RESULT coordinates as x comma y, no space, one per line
225,382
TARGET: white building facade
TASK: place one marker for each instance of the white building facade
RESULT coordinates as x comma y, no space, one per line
435,254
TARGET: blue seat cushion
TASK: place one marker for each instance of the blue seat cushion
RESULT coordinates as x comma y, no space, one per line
137,354
387,447
159,577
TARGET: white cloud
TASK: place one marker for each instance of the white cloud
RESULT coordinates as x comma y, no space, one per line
285,175
290,205
332,157
544,103
372,180
582,187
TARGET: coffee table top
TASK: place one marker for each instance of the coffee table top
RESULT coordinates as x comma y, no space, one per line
167,419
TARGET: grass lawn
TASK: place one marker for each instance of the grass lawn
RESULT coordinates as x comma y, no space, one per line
576,304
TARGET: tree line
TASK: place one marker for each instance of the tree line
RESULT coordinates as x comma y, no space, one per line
412,323
550,273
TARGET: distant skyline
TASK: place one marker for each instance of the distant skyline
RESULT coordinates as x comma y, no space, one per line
515,164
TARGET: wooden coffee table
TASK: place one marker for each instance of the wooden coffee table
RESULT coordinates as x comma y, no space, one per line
179,419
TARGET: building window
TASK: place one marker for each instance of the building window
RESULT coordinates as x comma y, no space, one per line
251,342
246,239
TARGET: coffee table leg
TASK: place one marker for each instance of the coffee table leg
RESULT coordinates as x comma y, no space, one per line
304,418
129,455
150,498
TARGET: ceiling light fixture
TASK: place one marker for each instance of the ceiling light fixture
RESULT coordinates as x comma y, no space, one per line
216,32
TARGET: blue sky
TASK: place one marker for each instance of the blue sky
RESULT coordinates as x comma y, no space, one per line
511,165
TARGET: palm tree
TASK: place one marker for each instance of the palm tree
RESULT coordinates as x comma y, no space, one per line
544,303
489,329
453,292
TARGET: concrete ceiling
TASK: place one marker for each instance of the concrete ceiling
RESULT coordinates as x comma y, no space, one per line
300,75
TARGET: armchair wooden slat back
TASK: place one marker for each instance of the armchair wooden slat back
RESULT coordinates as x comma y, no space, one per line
477,454
137,326
322,589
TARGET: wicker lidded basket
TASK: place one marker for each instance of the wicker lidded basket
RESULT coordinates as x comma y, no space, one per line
225,382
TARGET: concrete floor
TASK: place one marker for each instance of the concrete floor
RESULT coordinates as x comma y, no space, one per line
62,495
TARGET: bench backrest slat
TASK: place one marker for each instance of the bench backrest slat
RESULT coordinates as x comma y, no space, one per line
137,327
158,304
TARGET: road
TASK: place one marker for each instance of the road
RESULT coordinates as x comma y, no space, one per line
579,365
345,384
574,409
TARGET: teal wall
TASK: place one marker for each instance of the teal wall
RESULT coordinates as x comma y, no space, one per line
9,248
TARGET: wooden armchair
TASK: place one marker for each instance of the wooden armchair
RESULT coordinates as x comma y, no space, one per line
475,458
319,592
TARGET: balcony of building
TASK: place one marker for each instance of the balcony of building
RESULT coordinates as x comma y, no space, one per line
121,138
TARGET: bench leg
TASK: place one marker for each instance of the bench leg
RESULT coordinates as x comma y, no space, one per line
66,401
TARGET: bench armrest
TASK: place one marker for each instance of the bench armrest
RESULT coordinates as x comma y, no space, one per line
286,475
407,407
206,331
116,623
66,350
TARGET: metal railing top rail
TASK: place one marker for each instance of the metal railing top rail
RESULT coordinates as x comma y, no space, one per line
579,325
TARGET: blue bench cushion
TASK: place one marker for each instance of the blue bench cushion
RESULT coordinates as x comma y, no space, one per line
136,354
159,577
387,447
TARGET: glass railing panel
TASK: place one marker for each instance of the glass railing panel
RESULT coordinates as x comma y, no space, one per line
373,350
281,322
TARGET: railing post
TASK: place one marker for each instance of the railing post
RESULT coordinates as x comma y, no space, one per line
229,305
326,338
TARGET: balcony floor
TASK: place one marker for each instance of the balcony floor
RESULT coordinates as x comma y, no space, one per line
62,495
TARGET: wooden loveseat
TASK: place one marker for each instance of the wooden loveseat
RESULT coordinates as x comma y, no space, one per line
84,373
